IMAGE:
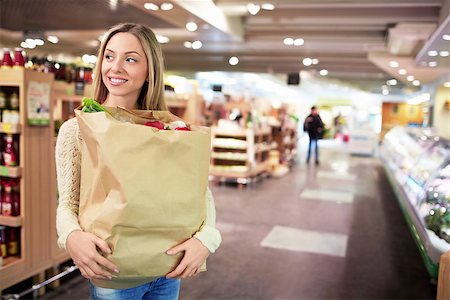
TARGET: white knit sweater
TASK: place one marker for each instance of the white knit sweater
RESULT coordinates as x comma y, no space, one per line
68,169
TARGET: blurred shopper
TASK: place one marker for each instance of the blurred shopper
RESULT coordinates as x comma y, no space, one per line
314,126
338,124
129,73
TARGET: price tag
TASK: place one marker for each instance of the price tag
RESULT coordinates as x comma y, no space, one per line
4,171
7,127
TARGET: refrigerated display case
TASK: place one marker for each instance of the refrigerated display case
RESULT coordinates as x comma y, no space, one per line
417,163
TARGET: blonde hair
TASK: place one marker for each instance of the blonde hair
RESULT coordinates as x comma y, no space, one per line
152,92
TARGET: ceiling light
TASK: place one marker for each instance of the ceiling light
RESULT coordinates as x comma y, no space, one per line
39,42
307,61
196,45
432,64
288,41
49,58
57,66
391,82
166,6
53,39
402,72
24,45
416,82
410,78
233,60
315,61
446,37
323,72
151,6
162,39
268,6
447,84
385,92
191,26
444,53
188,45
299,42
432,53
393,64
253,9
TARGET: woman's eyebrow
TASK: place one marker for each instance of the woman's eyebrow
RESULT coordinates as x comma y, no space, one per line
128,52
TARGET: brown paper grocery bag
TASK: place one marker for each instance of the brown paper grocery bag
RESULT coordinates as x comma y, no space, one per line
142,189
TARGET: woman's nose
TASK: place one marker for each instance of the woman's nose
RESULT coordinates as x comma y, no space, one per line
117,66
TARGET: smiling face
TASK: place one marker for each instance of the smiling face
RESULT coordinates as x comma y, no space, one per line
124,70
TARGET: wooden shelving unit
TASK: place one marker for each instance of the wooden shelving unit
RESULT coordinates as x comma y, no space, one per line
239,154
37,182
286,139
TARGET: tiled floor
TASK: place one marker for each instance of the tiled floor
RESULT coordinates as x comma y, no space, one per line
277,245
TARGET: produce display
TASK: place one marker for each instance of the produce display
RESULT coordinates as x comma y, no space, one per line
417,163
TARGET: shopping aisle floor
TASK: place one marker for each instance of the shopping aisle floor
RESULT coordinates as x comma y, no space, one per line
333,231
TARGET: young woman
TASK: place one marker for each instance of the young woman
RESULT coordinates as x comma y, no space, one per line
129,73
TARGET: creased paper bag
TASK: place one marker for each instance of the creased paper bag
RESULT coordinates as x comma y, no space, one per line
142,190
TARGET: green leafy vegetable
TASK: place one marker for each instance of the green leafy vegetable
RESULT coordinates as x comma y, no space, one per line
90,105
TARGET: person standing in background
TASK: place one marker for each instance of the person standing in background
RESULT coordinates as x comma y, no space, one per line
314,126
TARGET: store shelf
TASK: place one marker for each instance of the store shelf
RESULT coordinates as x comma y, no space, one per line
10,221
10,128
11,76
9,263
12,172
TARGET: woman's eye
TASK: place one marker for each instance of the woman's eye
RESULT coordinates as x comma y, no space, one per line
130,59
108,57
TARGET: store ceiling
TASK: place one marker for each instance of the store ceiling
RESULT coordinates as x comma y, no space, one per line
353,40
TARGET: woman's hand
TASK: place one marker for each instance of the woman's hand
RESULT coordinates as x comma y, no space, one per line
82,247
195,255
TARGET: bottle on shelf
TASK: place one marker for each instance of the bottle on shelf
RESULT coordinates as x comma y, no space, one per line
19,59
10,154
2,104
12,241
7,61
14,115
3,246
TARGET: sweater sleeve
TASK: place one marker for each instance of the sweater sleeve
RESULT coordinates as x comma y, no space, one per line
68,168
208,233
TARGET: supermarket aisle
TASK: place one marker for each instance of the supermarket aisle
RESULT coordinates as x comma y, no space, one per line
327,232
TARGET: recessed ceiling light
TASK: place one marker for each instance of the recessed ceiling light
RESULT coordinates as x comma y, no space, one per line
162,39
385,92
447,84
416,82
315,61
410,78
323,72
446,37
288,41
24,45
233,60
187,45
393,64
432,53
151,6
53,39
268,6
402,72
39,42
191,26
307,61
444,53
432,64
166,6
196,45
253,9
392,82
299,42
